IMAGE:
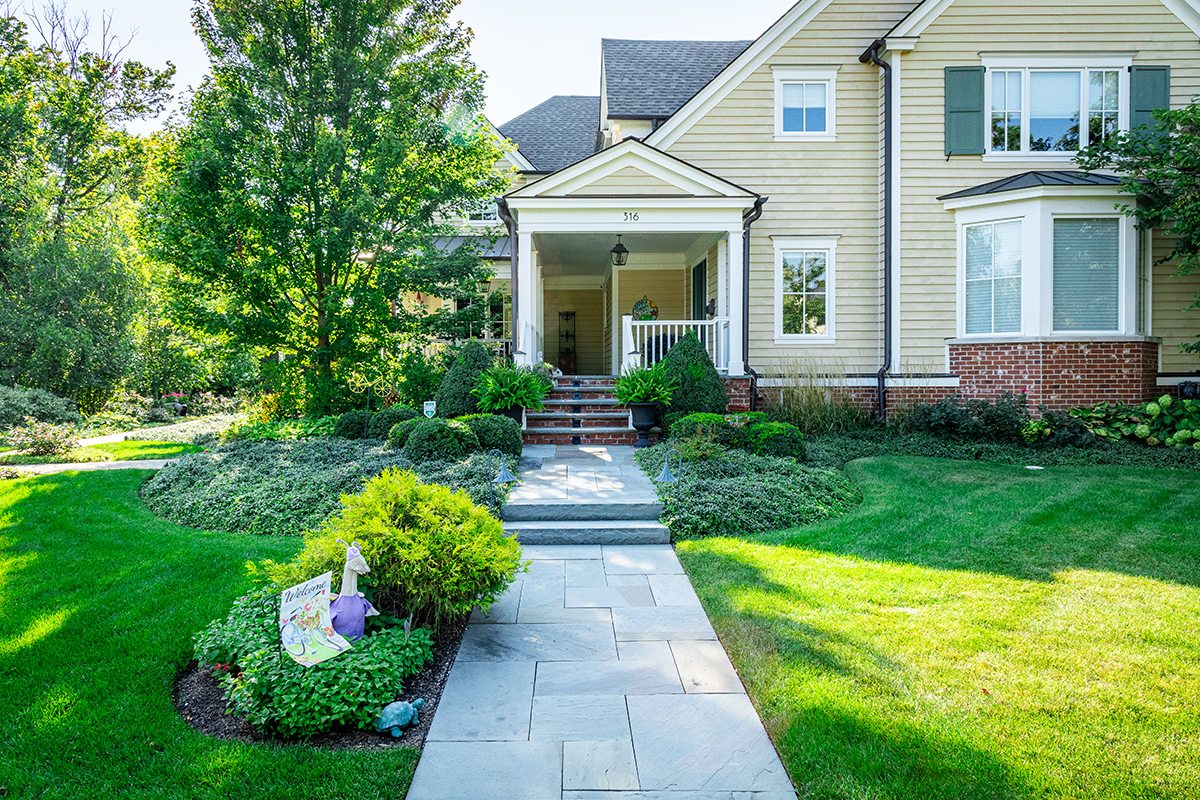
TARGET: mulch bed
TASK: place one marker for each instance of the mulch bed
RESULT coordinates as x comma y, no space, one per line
201,702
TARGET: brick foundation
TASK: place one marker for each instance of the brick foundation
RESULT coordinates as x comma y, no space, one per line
741,394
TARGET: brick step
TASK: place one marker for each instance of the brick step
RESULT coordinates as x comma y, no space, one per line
585,421
574,408
583,436
606,402
631,531
586,381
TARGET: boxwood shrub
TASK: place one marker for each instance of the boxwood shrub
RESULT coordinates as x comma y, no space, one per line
352,425
454,397
496,432
719,427
776,439
384,420
699,388
398,435
440,440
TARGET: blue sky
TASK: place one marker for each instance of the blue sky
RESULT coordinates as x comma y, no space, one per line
531,49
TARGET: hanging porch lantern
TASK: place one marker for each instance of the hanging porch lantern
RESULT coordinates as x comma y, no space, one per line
620,254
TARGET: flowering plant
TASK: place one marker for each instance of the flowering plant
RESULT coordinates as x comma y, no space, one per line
43,439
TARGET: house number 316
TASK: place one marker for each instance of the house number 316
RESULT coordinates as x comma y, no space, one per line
632,216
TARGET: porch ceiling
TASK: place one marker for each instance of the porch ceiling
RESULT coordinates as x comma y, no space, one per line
589,253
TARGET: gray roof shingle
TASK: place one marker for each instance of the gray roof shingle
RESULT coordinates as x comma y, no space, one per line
655,78
556,133
1029,180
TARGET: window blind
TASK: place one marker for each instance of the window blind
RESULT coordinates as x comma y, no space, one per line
1087,265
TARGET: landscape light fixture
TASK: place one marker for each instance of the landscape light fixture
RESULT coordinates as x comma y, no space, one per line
504,477
620,254
666,477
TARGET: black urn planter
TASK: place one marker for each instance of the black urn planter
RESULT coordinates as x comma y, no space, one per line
643,420
515,413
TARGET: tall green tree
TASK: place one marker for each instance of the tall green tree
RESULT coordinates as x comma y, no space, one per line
1160,169
301,198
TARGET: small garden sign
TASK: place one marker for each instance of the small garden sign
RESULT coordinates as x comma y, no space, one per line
305,625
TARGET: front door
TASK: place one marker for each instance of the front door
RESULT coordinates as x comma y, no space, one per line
700,291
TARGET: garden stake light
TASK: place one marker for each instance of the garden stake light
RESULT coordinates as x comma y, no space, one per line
504,477
666,477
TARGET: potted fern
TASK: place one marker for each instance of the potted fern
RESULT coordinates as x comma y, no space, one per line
643,390
509,390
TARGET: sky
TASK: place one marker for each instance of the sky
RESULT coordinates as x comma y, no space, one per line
530,49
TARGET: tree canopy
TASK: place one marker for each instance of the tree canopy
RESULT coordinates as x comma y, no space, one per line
301,198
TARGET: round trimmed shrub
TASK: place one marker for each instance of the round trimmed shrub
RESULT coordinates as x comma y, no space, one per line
454,397
496,432
398,436
777,439
383,421
440,440
352,425
433,553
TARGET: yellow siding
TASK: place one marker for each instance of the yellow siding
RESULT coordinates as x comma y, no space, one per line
667,288
968,28
628,181
816,188
608,326
588,305
1171,320
712,278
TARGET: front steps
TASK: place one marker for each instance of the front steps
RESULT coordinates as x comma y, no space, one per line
610,532
581,410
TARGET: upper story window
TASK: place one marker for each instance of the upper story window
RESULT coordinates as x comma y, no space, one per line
805,104
486,213
1053,108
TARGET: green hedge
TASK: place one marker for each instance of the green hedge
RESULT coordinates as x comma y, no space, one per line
352,425
496,432
440,440
383,421
17,403
454,396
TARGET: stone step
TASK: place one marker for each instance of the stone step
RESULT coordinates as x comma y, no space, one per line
599,403
564,396
611,532
557,511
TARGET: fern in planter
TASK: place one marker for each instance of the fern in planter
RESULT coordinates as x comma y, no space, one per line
505,386
645,385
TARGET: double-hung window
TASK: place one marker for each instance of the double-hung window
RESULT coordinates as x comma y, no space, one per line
992,292
486,212
1054,109
804,103
804,280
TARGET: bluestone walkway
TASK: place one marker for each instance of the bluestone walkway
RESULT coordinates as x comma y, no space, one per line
597,676
553,474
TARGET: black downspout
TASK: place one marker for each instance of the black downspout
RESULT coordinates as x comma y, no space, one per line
748,220
510,223
872,55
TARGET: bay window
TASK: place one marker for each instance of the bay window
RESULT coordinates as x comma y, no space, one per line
993,278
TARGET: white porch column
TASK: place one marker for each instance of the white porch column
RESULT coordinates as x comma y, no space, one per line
527,289
737,316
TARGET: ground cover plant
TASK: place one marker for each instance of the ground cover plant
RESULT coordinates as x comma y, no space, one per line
203,432
727,491
256,431
974,631
289,487
92,648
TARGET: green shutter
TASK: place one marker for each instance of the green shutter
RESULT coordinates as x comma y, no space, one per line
1149,90
965,115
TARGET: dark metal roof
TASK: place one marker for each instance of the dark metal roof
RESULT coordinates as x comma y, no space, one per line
653,79
500,250
1030,180
557,133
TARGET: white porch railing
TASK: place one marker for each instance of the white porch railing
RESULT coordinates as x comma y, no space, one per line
646,342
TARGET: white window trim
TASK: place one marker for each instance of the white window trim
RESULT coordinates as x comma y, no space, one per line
796,75
1038,210
791,244
485,223
962,278
1119,63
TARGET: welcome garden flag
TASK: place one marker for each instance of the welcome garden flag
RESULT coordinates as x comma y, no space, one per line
305,626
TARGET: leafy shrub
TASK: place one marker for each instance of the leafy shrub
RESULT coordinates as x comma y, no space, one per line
277,695
1162,422
454,398
289,487
207,403
440,440
698,387
383,421
398,435
645,385
731,430
545,374
352,425
1059,429
279,431
158,414
776,439
506,386
737,493
42,439
496,432
981,420
421,375
433,552
202,432
129,404
17,403
10,474
107,422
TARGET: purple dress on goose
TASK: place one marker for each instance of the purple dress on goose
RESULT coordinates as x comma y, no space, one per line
350,609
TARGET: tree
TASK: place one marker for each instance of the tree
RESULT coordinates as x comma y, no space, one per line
301,198
1160,168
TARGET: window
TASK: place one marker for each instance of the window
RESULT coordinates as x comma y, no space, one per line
993,278
486,213
804,104
1054,109
1087,274
804,270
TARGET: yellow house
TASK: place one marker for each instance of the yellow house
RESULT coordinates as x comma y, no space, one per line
886,188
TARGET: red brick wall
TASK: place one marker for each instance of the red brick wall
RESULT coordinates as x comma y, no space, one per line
740,392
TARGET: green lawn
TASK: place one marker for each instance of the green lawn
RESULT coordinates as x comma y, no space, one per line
116,451
975,631
98,605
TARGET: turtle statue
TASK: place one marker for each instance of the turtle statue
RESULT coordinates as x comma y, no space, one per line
398,716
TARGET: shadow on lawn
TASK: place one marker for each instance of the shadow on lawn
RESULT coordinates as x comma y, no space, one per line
1029,525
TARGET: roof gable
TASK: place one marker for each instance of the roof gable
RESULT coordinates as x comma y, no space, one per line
653,79
556,133
632,168
924,14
